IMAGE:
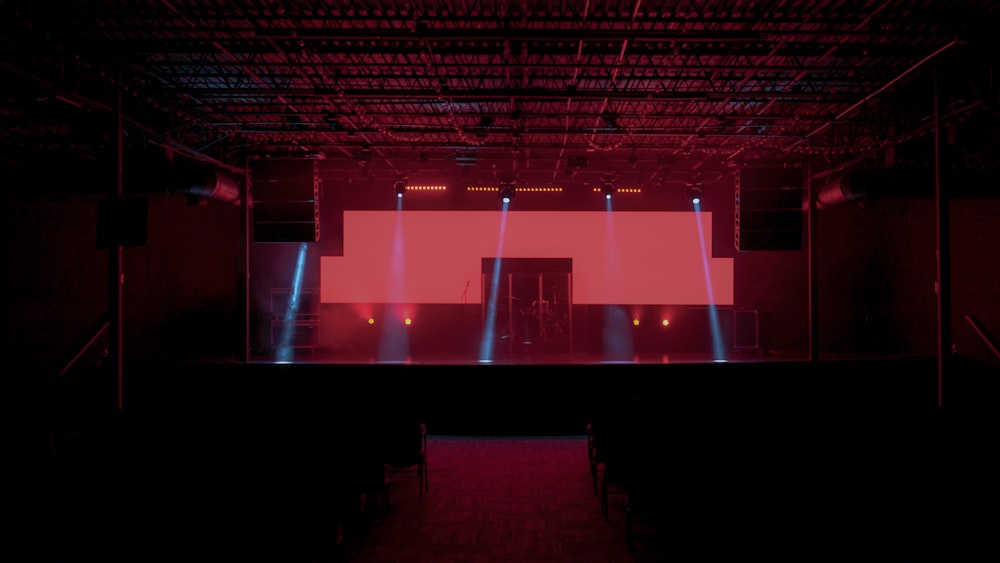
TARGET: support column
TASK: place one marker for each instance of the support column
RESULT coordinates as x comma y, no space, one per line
246,226
943,231
116,273
811,241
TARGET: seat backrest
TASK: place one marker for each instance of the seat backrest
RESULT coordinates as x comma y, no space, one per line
404,443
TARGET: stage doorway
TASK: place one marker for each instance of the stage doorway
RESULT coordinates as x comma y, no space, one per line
533,300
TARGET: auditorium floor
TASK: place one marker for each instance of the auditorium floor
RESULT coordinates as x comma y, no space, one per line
498,499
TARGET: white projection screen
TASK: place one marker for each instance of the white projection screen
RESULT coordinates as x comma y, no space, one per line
435,257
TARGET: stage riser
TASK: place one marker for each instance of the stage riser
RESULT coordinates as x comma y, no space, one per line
531,400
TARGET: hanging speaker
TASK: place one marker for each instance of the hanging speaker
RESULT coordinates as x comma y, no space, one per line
769,208
285,201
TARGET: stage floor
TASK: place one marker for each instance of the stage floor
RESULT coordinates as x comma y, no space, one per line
549,358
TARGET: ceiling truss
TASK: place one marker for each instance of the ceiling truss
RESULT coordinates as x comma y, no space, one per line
540,83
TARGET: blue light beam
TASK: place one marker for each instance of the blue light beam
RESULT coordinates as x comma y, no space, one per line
489,329
284,353
718,351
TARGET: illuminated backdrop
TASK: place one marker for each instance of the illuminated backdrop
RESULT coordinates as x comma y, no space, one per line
657,256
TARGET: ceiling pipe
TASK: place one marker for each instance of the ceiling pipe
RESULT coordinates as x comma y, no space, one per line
196,181
212,184
904,182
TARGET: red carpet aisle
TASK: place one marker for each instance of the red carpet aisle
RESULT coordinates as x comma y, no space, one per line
498,500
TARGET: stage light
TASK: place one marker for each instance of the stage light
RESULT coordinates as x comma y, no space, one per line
506,192
635,322
407,321
399,186
371,320
694,195
608,189
665,322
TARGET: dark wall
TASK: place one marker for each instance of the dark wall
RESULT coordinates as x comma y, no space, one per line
975,280
876,272
182,288
876,283
56,279
179,292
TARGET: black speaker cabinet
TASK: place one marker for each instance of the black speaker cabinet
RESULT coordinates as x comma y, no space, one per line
285,200
769,208
745,335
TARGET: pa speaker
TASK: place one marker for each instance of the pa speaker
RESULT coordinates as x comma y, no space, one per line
745,329
286,221
286,232
769,208
285,201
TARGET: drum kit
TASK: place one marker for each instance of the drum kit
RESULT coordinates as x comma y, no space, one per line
544,316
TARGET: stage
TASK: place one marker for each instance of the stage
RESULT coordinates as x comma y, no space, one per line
540,358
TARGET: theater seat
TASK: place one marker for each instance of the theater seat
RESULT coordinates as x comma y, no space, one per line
406,452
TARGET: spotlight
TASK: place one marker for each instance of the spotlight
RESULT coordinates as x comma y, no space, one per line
608,189
694,195
399,186
506,192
